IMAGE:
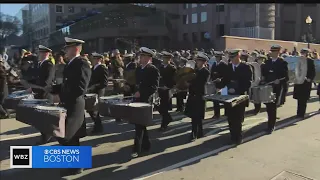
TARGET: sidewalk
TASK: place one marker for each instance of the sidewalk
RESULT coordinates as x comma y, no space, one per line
295,148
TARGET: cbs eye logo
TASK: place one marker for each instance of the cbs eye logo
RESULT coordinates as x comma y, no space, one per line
20,157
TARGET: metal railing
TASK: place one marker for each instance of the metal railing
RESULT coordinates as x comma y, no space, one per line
253,32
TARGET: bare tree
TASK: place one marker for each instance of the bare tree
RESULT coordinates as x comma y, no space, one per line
9,25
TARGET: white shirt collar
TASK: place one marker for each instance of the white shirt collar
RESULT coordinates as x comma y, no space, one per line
145,65
42,62
274,59
128,64
96,66
165,65
73,58
235,66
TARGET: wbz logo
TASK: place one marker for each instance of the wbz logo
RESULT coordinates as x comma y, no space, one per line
20,156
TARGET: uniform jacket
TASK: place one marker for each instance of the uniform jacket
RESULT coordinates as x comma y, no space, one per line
147,81
98,80
75,83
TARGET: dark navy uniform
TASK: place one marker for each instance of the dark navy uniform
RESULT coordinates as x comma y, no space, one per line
219,70
167,73
45,73
97,85
195,107
273,70
147,79
75,83
239,78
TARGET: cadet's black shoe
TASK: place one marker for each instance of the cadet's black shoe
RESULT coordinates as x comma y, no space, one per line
270,130
70,172
238,141
44,141
97,129
162,129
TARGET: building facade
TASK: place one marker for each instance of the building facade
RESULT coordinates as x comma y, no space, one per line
115,28
202,25
47,18
291,21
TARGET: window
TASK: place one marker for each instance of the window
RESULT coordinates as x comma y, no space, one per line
203,4
205,37
310,5
219,7
185,37
220,30
235,25
249,24
59,9
194,18
185,6
58,18
203,16
83,9
71,9
194,37
185,19
194,5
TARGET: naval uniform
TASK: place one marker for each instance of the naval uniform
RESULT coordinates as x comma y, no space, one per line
97,85
3,91
195,106
147,79
302,91
274,69
46,73
75,83
167,73
219,70
239,79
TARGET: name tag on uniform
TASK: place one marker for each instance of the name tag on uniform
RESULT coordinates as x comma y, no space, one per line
271,71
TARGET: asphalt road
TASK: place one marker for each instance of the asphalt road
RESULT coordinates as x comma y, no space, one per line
170,150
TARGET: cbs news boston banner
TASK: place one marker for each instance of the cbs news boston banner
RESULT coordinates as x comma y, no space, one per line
50,156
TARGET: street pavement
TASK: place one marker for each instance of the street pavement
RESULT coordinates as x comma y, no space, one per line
291,152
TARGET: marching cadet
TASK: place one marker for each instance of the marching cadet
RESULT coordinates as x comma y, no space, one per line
279,62
218,74
238,83
167,73
45,77
260,60
275,71
76,80
147,80
195,107
302,89
98,83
